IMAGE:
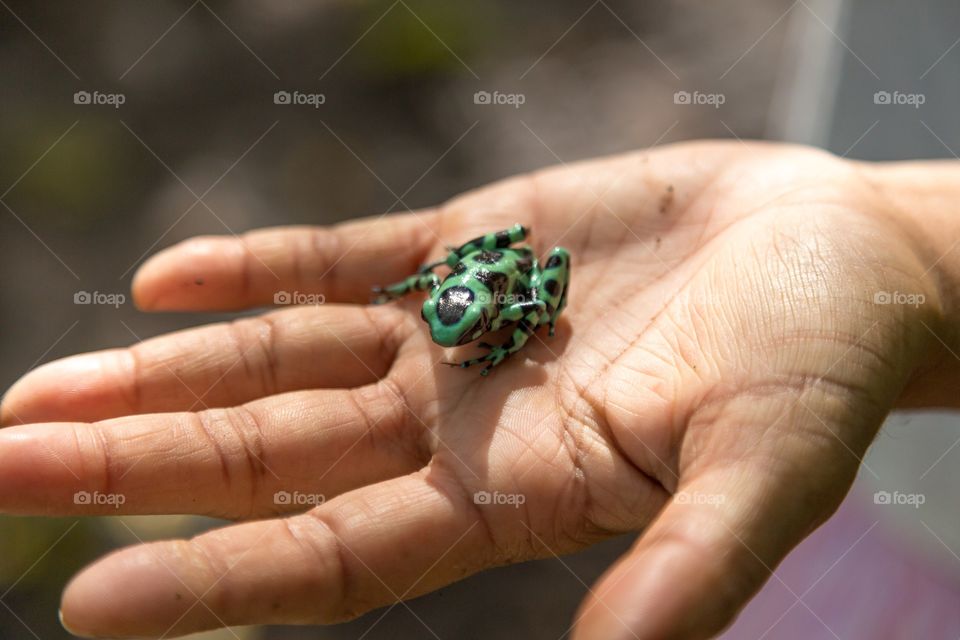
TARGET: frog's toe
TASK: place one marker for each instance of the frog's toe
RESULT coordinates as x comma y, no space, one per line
378,295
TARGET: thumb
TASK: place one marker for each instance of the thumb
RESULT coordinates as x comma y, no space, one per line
712,548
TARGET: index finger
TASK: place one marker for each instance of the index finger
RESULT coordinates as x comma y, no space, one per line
262,267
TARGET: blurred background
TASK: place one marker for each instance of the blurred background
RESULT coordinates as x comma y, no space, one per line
126,127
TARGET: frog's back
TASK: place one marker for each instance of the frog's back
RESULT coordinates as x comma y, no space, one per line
505,260
500,271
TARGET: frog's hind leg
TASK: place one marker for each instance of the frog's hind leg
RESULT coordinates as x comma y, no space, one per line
421,281
552,284
488,242
430,266
528,313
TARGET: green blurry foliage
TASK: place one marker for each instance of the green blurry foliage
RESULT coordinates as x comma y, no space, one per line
91,175
400,45
25,541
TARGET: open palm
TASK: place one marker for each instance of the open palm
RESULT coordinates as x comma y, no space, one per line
721,367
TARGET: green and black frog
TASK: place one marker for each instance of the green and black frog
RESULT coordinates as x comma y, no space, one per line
490,286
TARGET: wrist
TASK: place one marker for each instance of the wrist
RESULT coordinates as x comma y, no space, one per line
923,198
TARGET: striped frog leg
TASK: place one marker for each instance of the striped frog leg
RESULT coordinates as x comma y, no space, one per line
550,285
422,281
487,242
527,315
417,282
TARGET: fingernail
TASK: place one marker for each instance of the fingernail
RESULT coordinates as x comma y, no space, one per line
63,624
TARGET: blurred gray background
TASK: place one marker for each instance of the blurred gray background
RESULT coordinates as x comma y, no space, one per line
90,190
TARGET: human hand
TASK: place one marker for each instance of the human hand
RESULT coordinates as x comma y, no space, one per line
720,370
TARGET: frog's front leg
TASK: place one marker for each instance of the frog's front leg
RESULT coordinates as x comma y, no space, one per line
420,281
527,314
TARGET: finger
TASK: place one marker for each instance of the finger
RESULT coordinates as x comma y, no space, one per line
279,454
215,366
720,538
368,548
340,262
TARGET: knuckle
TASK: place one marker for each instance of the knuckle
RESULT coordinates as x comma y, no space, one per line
385,415
329,571
497,548
255,340
323,248
133,386
390,326
100,442
236,439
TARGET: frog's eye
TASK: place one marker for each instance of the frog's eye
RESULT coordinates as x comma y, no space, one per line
453,303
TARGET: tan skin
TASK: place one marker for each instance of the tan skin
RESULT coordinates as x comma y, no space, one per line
718,374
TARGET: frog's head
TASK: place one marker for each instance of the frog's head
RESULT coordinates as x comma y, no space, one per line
455,316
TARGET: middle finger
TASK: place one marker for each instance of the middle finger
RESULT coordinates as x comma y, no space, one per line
218,365
275,455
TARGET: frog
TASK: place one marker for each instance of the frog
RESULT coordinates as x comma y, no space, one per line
491,284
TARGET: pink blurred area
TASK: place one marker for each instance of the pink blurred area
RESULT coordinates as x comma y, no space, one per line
855,578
